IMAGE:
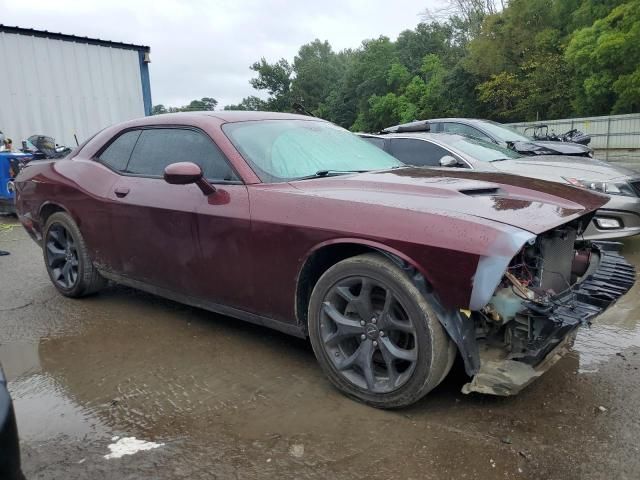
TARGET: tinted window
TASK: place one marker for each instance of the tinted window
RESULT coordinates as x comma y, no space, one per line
464,130
480,150
160,147
118,152
378,142
417,152
504,132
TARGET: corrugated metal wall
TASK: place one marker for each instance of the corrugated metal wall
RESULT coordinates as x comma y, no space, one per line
59,88
614,137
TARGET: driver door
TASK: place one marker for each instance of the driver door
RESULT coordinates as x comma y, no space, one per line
155,223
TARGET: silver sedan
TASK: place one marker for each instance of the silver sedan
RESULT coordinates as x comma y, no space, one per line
620,217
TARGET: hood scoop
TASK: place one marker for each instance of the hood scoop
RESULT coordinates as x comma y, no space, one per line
480,191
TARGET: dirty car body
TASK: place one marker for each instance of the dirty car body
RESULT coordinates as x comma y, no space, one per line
500,263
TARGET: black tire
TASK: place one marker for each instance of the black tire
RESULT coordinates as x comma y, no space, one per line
406,362
66,258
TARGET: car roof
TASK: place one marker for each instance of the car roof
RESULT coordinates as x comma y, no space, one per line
436,137
457,119
224,116
244,115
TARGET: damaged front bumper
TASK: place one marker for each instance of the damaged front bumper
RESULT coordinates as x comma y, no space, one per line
549,327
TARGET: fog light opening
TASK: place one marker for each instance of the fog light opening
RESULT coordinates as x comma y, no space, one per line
608,223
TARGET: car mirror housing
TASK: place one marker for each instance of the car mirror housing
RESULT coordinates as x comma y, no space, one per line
448,161
185,173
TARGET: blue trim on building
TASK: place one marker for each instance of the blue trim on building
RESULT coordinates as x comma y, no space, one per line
146,83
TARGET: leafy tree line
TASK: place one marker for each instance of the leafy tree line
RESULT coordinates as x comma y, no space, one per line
205,103
523,60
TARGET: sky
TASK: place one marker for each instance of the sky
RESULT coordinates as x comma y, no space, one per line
203,48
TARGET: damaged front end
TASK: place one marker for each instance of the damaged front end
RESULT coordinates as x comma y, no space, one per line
554,284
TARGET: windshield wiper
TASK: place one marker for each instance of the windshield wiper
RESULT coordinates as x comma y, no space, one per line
330,173
500,159
325,173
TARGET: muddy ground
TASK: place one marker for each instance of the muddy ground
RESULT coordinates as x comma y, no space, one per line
223,399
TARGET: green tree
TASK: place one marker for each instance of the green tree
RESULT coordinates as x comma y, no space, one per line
158,109
316,69
497,59
436,38
275,78
204,104
605,60
251,102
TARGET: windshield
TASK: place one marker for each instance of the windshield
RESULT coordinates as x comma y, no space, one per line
481,150
503,132
282,150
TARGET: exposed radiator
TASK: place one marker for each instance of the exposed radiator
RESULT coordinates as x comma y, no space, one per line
557,251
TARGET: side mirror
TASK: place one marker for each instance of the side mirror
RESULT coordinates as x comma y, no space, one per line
185,173
448,161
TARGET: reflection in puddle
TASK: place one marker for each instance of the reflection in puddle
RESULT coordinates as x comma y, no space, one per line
615,330
43,408
44,411
601,342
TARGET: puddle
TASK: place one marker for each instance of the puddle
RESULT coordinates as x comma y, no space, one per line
601,342
44,411
37,395
617,329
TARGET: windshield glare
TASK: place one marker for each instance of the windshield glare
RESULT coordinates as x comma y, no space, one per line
481,150
504,133
282,150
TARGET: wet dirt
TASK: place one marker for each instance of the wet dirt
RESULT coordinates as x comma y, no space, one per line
223,399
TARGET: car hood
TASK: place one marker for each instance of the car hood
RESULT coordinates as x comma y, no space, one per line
538,147
529,204
555,167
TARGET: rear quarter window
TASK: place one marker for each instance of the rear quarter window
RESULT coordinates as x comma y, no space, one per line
117,154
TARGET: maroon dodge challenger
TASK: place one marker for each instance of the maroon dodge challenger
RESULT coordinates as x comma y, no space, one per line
291,222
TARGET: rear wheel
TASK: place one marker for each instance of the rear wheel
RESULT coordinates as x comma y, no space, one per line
374,333
67,259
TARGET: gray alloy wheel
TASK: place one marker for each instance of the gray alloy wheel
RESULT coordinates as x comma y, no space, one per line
368,334
374,333
67,259
61,256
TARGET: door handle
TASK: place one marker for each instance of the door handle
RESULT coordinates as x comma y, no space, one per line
121,191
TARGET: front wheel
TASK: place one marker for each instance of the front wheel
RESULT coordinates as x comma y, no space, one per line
375,335
67,259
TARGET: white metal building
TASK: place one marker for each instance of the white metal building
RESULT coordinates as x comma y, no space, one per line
63,85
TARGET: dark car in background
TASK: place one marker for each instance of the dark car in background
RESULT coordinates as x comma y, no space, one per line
293,223
494,132
9,445
619,218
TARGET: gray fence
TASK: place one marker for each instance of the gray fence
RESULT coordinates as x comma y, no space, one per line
615,137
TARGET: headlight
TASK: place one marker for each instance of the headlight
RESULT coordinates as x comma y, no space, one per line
610,188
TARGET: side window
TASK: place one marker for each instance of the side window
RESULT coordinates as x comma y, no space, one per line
420,153
461,129
159,147
119,151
